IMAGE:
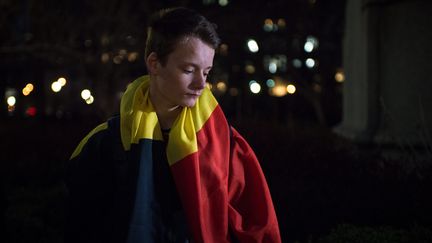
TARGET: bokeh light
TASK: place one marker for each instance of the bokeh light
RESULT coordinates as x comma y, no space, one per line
254,87
85,94
221,86
253,45
56,86
27,89
62,81
90,100
233,91
223,3
270,83
310,63
249,68
339,76
297,63
291,89
279,90
272,68
11,100
268,25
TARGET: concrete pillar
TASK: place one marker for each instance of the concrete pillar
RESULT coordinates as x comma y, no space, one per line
388,68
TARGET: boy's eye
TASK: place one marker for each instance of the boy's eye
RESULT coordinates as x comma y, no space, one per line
188,71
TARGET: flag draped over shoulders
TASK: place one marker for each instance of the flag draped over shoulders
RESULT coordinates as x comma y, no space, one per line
218,178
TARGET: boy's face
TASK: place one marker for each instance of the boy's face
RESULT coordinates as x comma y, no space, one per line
183,77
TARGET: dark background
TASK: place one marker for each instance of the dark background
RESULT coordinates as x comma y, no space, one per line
325,188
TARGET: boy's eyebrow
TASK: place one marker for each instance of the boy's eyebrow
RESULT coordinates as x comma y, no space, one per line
195,65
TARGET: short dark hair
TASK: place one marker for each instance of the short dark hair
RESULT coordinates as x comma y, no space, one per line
167,26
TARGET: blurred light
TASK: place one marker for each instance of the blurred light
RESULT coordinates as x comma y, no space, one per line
118,59
90,100
27,89
133,56
254,87
272,67
223,49
233,91
316,87
291,89
281,23
275,63
223,3
85,94
310,44
31,111
56,86
310,63
297,63
253,46
268,25
11,100
278,90
270,83
308,47
122,52
313,40
221,86
208,2
105,40
61,81
131,40
105,57
340,76
209,85
249,68
11,108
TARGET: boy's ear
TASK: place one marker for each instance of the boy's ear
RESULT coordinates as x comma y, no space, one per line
152,63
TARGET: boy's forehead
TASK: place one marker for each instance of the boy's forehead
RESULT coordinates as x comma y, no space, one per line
192,51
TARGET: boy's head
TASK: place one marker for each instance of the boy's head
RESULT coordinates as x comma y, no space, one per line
168,26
